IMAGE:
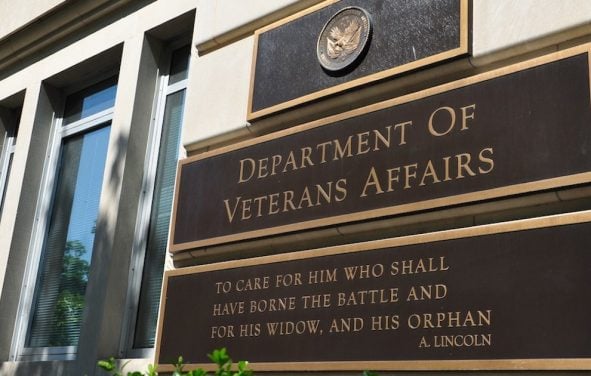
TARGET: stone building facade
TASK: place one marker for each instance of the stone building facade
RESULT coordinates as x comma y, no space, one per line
100,99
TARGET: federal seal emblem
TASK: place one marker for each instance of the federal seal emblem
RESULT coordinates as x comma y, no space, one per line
343,38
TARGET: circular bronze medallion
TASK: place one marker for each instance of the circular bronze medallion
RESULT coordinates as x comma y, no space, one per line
343,38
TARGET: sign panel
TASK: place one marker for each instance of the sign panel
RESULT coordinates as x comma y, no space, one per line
338,45
513,295
516,130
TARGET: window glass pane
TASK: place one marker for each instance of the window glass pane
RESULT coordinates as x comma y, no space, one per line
64,267
179,65
7,154
159,221
6,182
90,101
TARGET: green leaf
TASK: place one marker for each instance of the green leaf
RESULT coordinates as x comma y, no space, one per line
152,370
135,373
243,369
178,366
107,365
216,355
369,373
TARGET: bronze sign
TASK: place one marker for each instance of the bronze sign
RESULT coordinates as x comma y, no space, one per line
490,297
343,38
292,64
516,130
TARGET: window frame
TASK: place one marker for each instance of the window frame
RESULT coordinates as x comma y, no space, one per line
44,208
141,231
6,157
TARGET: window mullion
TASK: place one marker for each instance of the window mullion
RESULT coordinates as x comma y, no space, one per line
177,86
87,123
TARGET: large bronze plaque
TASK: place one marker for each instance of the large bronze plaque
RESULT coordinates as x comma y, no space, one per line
291,64
520,129
514,295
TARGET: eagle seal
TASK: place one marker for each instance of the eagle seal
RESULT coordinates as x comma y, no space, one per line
343,38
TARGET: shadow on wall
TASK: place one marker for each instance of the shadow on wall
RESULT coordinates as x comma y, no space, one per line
107,280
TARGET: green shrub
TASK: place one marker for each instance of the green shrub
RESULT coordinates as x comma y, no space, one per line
219,357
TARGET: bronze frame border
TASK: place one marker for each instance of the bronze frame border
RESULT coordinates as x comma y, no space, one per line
397,209
428,365
251,115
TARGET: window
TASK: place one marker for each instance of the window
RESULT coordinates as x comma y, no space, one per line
81,140
6,157
157,205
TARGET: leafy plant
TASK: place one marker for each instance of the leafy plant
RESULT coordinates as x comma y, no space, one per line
219,357
224,363
178,369
110,365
